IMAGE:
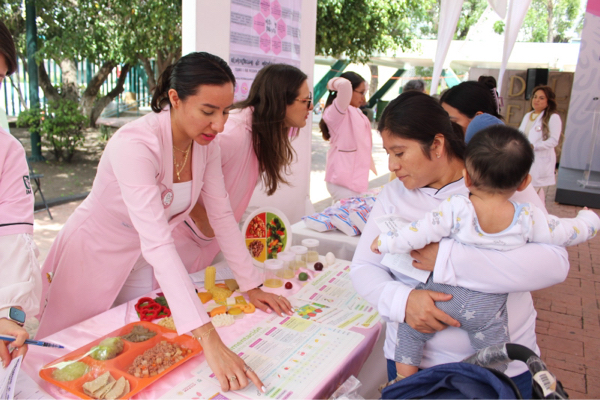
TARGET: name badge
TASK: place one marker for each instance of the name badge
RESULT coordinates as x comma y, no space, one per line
167,198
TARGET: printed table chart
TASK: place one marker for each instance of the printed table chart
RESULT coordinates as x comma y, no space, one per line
360,343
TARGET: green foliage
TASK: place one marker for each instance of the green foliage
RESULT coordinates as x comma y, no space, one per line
357,29
31,119
63,128
564,17
499,27
427,28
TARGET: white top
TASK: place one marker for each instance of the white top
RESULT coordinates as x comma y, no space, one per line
530,267
456,218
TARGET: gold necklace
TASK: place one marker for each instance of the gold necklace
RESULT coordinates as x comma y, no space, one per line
533,116
183,151
179,167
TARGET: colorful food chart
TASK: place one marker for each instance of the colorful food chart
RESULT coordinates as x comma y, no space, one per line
127,363
267,232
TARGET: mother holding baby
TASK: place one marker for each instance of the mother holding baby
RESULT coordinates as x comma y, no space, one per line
425,151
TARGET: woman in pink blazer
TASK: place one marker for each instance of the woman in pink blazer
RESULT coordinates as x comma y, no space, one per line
151,174
20,282
349,132
255,146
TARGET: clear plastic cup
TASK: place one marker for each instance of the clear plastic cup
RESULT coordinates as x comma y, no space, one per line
287,270
272,273
300,256
312,246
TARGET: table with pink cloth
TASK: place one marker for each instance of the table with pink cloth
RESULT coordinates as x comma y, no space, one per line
85,332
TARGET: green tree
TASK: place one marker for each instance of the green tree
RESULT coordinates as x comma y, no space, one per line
548,21
469,15
108,33
357,29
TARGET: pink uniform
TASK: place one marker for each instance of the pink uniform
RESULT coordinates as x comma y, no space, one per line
20,283
16,196
123,216
349,155
240,171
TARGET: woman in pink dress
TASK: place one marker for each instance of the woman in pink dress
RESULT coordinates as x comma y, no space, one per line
151,174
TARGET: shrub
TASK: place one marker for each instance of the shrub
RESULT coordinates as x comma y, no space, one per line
63,128
31,119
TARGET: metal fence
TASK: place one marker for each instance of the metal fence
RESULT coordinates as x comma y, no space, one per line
15,100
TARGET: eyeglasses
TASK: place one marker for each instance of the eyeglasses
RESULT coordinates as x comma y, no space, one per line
307,101
361,93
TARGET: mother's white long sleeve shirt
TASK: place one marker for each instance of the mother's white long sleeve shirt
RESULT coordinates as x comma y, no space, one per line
531,267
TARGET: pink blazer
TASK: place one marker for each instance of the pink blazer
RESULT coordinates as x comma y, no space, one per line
124,216
349,154
240,171
16,195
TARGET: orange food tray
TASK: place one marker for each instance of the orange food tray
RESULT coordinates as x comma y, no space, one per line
119,365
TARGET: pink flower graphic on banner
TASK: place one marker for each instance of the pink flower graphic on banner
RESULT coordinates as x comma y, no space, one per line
259,23
276,9
265,42
265,7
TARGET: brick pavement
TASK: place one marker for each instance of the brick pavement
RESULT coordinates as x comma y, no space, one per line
568,321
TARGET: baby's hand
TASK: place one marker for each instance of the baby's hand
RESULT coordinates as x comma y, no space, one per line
375,246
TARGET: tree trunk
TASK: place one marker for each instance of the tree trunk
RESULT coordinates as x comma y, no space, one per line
101,103
149,73
550,7
90,94
50,91
70,88
16,84
374,79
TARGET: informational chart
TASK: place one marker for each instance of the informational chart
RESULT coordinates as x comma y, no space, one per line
263,32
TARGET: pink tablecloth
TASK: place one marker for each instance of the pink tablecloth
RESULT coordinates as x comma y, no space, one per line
79,335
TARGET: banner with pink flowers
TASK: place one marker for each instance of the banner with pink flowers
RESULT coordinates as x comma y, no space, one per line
262,32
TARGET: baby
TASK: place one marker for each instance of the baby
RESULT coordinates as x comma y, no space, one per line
497,163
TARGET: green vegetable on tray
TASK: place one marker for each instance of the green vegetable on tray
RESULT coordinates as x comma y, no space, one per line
70,372
107,349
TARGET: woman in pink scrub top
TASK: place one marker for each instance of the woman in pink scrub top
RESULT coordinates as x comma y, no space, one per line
255,146
149,178
349,132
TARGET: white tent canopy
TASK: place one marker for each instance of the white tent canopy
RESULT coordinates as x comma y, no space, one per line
449,14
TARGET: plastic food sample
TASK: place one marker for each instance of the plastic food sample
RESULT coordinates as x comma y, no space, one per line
70,372
85,379
107,349
139,334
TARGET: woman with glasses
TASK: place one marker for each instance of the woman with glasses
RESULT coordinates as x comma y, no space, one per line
349,132
255,146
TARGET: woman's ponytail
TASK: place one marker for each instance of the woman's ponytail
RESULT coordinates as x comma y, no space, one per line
160,97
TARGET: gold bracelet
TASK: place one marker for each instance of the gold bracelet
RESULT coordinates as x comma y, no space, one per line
205,335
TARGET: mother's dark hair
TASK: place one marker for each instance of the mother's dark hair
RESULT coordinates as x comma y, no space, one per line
187,74
417,116
471,97
275,87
